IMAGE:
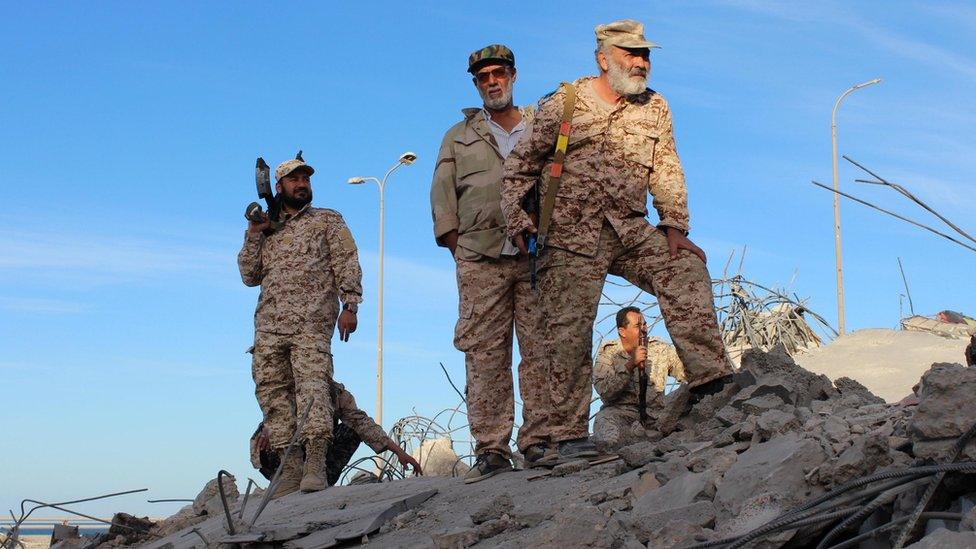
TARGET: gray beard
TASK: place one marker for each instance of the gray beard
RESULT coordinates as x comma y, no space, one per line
622,82
501,102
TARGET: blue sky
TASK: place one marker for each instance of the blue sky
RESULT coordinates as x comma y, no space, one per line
128,133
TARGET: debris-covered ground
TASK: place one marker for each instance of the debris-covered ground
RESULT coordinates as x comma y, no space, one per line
789,459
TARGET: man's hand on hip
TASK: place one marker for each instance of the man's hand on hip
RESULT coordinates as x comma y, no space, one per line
347,324
678,241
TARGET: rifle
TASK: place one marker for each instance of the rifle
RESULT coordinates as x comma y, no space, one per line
642,383
262,179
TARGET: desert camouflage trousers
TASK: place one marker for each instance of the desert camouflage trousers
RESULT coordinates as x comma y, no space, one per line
496,294
615,427
289,371
571,286
344,444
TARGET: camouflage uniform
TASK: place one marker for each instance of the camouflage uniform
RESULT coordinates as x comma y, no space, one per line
304,269
616,154
356,427
494,289
613,426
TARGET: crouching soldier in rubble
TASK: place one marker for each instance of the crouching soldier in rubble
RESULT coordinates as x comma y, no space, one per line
355,427
617,379
305,266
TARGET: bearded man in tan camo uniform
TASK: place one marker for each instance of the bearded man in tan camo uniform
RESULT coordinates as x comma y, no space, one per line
493,278
621,147
305,267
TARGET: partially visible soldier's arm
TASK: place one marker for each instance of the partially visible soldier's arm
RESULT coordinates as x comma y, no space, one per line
523,166
249,259
667,183
357,420
610,373
443,195
675,368
345,260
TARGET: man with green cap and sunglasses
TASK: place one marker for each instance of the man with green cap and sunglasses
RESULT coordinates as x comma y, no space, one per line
494,283
617,146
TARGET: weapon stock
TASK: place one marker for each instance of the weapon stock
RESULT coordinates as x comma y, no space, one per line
262,180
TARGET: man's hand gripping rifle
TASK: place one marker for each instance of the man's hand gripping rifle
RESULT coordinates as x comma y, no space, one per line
254,213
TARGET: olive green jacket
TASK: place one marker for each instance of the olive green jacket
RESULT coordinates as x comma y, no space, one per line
465,194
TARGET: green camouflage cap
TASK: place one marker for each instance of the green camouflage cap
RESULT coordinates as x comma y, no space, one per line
625,33
495,52
289,166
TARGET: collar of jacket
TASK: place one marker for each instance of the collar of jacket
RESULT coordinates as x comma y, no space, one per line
286,217
480,126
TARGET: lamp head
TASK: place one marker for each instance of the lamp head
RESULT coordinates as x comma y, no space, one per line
359,180
408,158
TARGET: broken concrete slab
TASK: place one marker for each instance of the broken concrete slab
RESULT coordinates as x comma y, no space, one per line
766,480
499,505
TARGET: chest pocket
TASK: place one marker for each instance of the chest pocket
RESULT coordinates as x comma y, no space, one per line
640,144
473,155
585,130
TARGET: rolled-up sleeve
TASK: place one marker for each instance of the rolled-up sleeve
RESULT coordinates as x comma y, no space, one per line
249,259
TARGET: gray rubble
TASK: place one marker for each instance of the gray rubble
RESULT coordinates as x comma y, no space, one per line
741,460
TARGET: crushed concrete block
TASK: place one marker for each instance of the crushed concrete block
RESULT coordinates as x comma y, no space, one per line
677,533
575,526
718,460
806,386
730,415
852,388
700,514
836,429
499,505
767,480
455,538
569,468
130,529
184,518
942,538
680,491
645,482
667,470
945,410
208,502
780,393
776,422
438,459
867,454
493,527
638,455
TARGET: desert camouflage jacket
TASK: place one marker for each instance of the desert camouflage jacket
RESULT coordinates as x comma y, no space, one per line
465,194
304,269
616,155
618,387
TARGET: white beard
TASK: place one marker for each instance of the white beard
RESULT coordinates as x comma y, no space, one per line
622,80
502,101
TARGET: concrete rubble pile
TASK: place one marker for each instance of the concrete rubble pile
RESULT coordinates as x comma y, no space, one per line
742,469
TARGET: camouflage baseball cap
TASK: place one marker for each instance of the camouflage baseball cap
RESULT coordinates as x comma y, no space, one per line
289,166
494,53
625,33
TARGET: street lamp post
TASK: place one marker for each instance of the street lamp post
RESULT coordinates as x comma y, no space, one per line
405,159
837,254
